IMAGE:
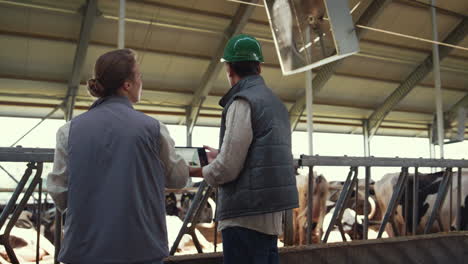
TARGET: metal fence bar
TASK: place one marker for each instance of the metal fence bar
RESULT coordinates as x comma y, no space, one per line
19,208
356,207
207,191
406,212
26,155
10,190
57,235
348,196
442,191
459,199
396,196
411,200
38,219
450,199
366,202
338,205
288,228
192,215
341,201
415,200
380,162
11,203
310,204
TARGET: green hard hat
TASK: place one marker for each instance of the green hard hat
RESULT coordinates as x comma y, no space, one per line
242,48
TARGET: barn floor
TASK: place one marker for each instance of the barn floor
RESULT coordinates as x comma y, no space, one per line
439,248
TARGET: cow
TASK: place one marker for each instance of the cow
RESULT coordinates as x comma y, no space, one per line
23,239
447,208
347,221
428,188
335,191
171,204
186,245
351,228
320,195
207,211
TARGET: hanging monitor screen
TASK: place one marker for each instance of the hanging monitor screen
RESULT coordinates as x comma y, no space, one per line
310,33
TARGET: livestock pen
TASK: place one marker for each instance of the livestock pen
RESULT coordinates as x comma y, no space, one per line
368,251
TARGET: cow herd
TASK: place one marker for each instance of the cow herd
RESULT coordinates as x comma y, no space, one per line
325,195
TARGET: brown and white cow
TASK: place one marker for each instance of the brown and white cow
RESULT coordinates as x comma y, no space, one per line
186,245
428,187
320,195
23,239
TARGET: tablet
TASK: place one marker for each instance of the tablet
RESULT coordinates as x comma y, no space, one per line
195,157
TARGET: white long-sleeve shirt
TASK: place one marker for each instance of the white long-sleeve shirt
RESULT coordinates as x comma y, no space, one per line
230,162
175,167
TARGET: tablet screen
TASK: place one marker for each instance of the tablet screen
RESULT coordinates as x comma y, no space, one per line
195,157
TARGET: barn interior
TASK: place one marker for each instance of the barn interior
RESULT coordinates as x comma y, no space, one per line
409,79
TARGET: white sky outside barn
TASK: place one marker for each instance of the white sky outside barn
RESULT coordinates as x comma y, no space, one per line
324,144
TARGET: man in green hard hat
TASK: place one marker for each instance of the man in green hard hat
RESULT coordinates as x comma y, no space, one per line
254,169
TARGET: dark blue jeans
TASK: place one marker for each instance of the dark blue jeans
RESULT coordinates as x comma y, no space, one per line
242,245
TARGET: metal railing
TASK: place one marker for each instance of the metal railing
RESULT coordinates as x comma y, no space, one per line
35,159
399,189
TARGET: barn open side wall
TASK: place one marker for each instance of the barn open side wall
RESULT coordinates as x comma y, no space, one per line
428,249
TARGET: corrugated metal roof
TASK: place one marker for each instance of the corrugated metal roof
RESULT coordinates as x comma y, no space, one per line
38,43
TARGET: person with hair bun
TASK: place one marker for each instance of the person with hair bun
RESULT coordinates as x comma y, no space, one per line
111,166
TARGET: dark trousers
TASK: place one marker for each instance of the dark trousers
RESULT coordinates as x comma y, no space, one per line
148,262
242,245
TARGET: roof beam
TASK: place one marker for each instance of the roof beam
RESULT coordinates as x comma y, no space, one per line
57,97
327,71
340,121
455,37
90,13
203,57
364,51
238,22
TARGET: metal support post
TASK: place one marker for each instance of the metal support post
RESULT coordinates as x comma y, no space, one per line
121,43
309,100
310,205
189,131
437,82
365,132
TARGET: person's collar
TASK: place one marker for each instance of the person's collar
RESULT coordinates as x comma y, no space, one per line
245,83
112,99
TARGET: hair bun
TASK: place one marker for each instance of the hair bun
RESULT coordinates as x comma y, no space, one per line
95,88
